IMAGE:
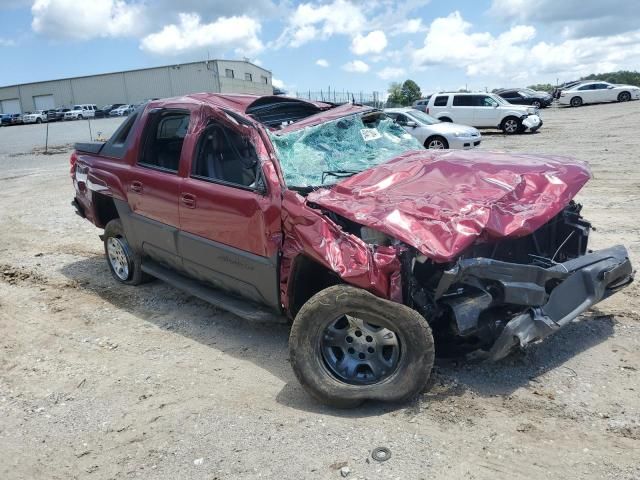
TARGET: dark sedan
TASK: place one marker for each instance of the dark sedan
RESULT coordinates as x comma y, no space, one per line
56,115
106,110
11,119
525,96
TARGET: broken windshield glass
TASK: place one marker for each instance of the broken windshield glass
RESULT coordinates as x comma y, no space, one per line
324,154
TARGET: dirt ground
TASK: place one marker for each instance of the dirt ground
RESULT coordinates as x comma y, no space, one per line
103,381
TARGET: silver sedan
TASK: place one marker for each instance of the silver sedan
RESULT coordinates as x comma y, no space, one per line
433,133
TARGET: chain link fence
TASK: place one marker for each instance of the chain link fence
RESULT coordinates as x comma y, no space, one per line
373,99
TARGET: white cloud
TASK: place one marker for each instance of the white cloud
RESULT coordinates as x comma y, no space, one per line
374,42
277,83
389,73
414,25
356,66
321,62
240,33
515,55
573,18
309,22
86,19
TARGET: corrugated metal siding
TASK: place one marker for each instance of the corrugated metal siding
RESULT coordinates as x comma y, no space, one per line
143,84
60,89
101,89
193,78
137,85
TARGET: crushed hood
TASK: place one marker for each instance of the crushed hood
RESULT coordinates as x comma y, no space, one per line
442,202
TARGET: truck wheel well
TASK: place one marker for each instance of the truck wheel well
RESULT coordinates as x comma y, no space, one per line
307,278
105,209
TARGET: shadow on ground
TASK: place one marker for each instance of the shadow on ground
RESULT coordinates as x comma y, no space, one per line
266,345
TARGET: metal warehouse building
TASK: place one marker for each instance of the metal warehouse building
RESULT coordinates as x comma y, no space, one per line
133,86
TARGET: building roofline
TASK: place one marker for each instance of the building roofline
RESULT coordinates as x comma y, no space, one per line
134,70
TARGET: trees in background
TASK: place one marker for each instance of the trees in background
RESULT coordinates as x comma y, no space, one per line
403,93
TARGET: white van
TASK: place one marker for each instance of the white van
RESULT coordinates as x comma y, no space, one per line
484,110
78,112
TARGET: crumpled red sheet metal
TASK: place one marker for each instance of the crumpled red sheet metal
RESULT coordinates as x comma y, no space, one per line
442,202
308,232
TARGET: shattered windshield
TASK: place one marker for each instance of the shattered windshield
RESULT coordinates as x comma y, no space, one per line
323,154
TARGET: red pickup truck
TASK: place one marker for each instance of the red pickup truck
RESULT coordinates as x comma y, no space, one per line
334,218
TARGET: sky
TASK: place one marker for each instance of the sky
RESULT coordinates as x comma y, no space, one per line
353,45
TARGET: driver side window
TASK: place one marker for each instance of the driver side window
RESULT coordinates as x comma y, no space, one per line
225,156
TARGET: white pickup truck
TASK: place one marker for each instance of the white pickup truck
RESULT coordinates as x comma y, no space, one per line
38,116
79,112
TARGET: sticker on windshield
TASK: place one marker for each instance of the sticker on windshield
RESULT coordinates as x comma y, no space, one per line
369,134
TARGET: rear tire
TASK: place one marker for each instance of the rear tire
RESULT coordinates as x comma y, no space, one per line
624,96
576,102
348,346
124,263
536,104
436,142
511,125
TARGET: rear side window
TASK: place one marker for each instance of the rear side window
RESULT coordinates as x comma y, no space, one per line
440,101
163,140
462,101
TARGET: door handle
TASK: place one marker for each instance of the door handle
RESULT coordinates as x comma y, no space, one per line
136,186
188,200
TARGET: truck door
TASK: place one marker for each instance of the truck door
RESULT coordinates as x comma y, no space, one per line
230,222
153,185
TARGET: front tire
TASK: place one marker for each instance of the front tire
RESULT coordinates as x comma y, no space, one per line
576,102
80,117
124,263
511,125
38,120
624,97
347,346
436,142
536,104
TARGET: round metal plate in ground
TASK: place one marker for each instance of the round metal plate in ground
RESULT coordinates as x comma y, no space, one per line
381,454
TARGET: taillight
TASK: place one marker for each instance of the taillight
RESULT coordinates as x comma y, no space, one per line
72,162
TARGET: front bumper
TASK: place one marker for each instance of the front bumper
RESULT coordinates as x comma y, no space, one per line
464,143
552,297
532,122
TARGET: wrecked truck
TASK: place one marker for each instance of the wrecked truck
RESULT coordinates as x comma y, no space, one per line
335,219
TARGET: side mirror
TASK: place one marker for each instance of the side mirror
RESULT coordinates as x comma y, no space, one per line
411,124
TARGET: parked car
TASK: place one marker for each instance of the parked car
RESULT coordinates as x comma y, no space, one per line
433,133
598,92
421,104
79,112
345,225
57,114
9,119
563,86
106,110
484,110
121,111
523,96
38,116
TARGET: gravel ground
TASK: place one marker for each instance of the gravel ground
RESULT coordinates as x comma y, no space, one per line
103,381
